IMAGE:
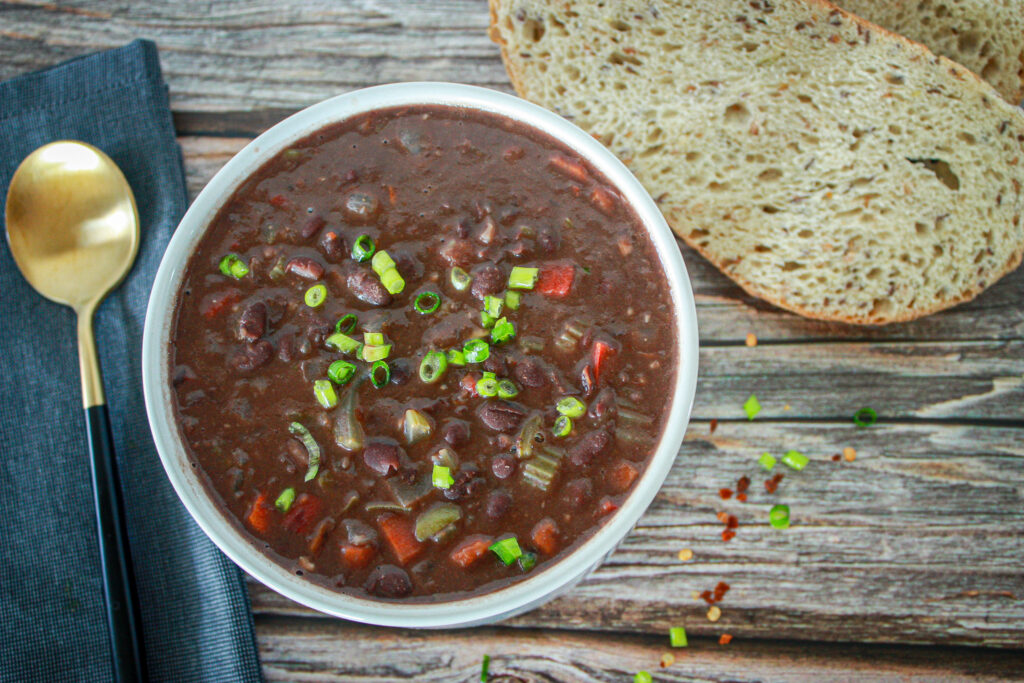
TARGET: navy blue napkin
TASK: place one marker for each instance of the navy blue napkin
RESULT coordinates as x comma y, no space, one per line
195,609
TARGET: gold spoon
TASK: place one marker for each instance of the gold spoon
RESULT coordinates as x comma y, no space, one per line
73,229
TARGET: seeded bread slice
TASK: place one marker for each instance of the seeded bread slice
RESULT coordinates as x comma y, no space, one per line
826,165
986,36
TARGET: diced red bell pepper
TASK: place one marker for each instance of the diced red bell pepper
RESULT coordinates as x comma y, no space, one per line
279,200
607,506
601,354
545,536
214,304
305,511
261,514
556,280
357,556
470,550
622,476
398,532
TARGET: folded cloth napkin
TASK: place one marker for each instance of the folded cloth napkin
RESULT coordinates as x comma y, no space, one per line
195,610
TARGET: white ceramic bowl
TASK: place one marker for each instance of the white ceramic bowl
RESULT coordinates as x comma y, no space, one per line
489,607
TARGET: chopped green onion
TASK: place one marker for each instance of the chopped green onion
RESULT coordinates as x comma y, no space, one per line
507,550
363,248
476,351
347,324
522,278
315,295
456,357
752,407
312,448
865,417
373,338
796,460
507,389
342,342
677,636
486,320
460,279
493,306
570,406
767,460
484,668
380,374
284,501
433,366
778,516
527,561
512,300
642,677
487,386
341,372
233,266
442,477
563,426
503,331
427,302
382,263
375,353
392,281
324,392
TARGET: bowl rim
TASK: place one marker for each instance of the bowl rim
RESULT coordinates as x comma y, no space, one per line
486,607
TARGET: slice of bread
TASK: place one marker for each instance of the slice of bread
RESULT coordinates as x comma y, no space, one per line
986,36
826,165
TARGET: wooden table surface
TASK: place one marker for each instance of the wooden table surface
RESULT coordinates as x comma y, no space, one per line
905,563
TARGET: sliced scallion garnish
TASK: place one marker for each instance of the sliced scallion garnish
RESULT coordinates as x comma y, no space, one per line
312,448
341,372
486,320
493,305
315,295
380,374
461,280
382,263
503,331
563,426
677,636
507,550
325,394
570,406
778,516
373,338
484,669
487,386
233,266
392,281
427,302
523,278
527,561
767,461
865,417
347,324
512,300
284,501
342,342
363,248
433,366
752,407
796,460
441,477
507,389
476,351
374,353
456,357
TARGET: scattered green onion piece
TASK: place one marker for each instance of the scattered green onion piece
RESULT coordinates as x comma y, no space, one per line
284,501
865,417
642,677
503,331
778,516
342,342
380,374
507,550
315,295
363,248
427,302
347,324
441,477
233,266
512,300
527,561
563,426
373,338
461,280
312,448
570,406
486,320
392,281
433,366
374,353
677,636
484,669
507,389
493,305
487,386
752,407
324,392
456,357
767,461
382,263
341,372
795,459
476,351
523,278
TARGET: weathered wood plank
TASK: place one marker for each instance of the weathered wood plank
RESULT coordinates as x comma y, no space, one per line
917,541
319,650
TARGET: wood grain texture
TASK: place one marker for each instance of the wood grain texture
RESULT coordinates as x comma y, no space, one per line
321,650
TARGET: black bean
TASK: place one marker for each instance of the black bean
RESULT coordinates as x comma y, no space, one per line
361,207
333,246
305,267
455,432
501,416
252,324
401,371
312,226
503,466
467,485
487,280
253,356
530,373
382,458
317,331
388,581
498,504
368,288
577,492
592,444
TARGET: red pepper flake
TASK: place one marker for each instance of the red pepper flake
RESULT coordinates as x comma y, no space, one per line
713,426
720,590
724,639
741,497
728,535
279,200
743,484
723,517
773,484
836,457
732,523
726,494
707,597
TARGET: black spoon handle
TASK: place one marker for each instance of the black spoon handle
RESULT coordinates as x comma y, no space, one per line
123,619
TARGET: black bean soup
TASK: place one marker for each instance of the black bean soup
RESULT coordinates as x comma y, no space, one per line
423,353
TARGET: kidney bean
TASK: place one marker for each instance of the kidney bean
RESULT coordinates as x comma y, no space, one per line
382,458
312,226
503,466
361,206
498,504
530,373
388,581
333,246
305,267
252,324
467,485
603,405
487,280
455,432
591,445
501,416
368,288
496,363
253,356
578,491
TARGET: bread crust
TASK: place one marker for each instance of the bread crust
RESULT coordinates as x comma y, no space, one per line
957,70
